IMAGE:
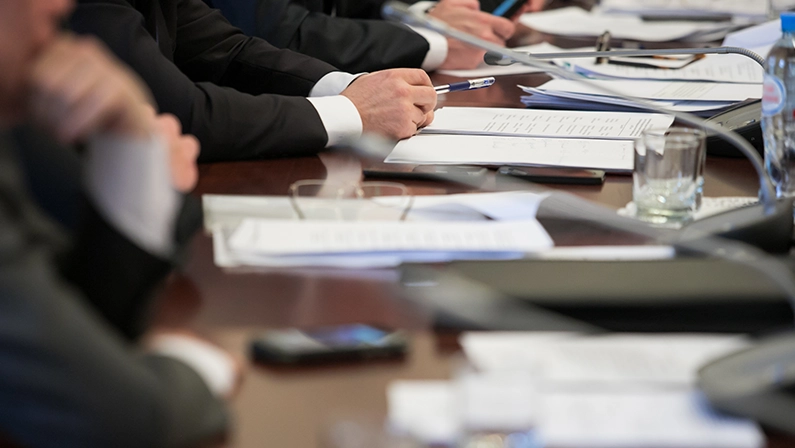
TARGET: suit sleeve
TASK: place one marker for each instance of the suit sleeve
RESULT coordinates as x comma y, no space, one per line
353,45
67,380
230,124
67,377
120,294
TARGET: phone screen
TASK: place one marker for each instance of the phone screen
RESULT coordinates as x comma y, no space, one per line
344,342
348,335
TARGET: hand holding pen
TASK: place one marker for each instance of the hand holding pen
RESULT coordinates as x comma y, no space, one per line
471,84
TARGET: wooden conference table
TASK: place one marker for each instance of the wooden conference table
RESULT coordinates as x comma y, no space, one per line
296,407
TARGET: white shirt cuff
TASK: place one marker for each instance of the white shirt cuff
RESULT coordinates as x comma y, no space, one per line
212,364
340,118
129,180
437,51
333,84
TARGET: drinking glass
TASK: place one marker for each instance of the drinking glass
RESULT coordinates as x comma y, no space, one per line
668,175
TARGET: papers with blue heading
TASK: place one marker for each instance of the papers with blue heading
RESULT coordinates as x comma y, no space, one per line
660,90
700,98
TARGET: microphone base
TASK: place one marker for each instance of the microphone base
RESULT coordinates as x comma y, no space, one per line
769,232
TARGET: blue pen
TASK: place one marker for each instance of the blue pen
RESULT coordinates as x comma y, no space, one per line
465,85
504,7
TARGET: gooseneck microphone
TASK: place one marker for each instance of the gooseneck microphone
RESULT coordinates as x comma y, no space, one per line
767,225
401,12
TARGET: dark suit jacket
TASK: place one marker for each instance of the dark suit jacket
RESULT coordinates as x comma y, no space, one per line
68,377
353,45
239,95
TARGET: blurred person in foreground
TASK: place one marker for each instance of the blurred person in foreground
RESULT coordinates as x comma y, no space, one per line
83,242
318,28
244,98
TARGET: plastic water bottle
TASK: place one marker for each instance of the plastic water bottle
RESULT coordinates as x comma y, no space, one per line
778,106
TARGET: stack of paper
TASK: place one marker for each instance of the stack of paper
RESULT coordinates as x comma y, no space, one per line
688,8
264,231
567,359
363,244
570,390
701,98
573,21
494,136
726,68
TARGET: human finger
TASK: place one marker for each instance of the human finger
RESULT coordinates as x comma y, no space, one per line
428,119
424,98
469,4
500,26
414,76
184,172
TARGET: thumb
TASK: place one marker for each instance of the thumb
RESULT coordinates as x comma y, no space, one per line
502,27
468,4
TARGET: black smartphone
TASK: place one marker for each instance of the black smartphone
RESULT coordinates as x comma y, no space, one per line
328,344
508,8
548,175
430,172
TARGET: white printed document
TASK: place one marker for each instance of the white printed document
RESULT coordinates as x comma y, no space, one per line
574,21
640,419
755,9
275,237
373,244
544,123
225,213
726,68
443,412
608,155
660,90
623,359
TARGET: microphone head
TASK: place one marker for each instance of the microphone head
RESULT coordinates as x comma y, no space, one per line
493,58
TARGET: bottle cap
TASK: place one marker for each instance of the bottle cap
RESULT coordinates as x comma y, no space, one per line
788,22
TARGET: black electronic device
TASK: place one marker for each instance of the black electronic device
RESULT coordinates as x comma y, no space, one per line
454,173
508,8
328,344
745,119
690,294
552,175
758,382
